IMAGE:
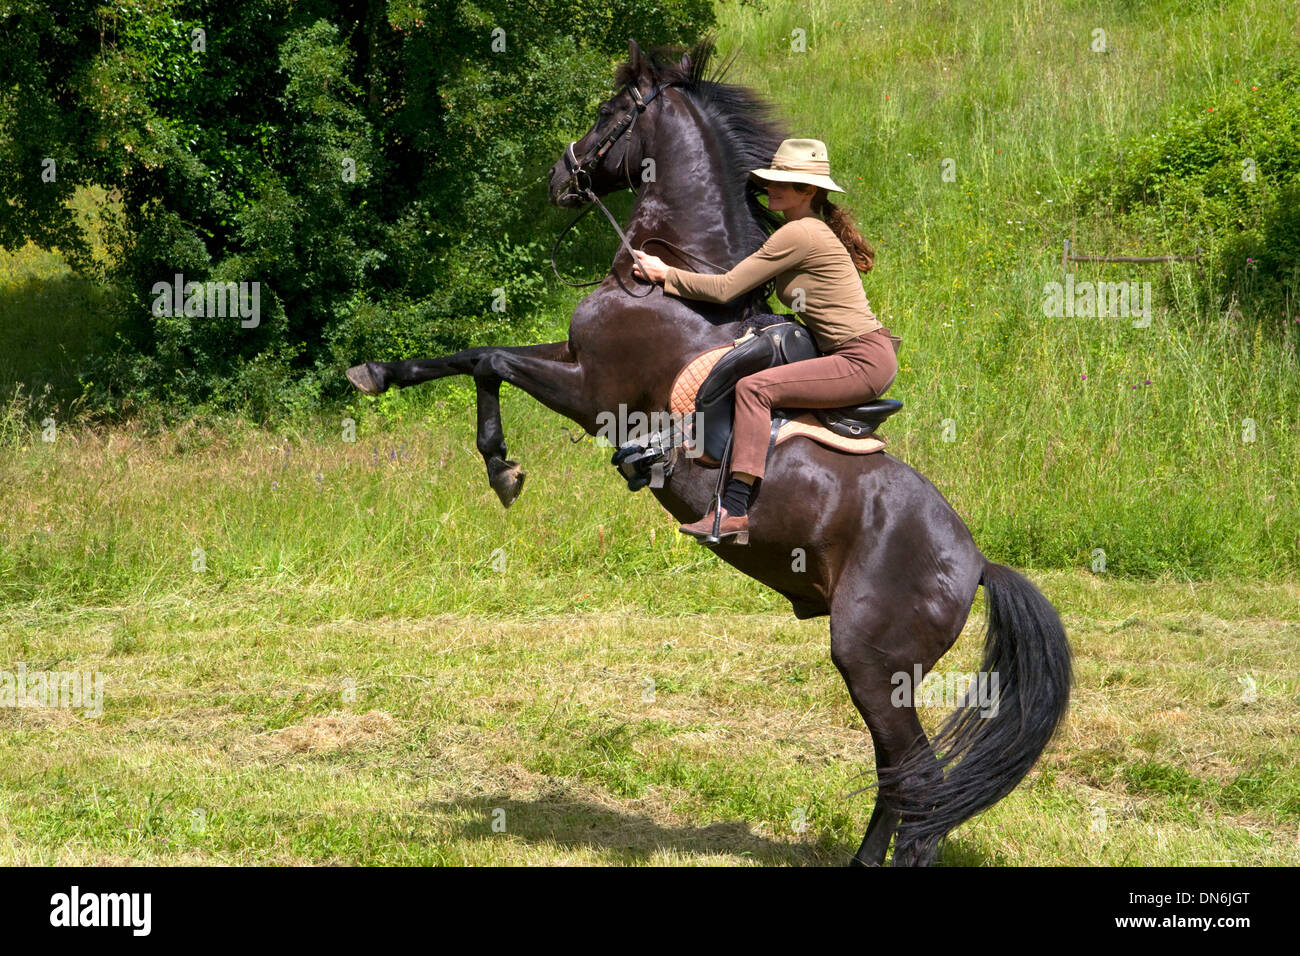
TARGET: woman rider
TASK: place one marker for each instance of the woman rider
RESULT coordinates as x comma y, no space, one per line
815,257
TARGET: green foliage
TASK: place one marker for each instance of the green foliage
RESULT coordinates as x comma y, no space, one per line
1071,437
1225,178
495,296
1262,264
346,157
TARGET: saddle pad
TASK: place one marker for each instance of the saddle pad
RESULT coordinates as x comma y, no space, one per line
687,385
808,426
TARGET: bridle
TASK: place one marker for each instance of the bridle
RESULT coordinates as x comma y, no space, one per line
579,184
578,168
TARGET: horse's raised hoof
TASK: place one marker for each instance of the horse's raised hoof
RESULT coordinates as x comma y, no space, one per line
507,480
366,379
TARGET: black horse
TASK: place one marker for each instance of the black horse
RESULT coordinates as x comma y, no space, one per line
884,554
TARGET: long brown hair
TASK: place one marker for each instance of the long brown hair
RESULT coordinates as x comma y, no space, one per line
841,223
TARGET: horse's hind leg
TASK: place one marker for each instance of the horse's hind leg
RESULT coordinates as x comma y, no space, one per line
884,821
871,656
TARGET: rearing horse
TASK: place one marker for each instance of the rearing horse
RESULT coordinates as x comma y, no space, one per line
886,556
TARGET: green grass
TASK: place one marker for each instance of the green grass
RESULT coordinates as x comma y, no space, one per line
354,678
1048,465
396,739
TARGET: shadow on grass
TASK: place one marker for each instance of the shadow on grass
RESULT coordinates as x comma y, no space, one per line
635,837
957,853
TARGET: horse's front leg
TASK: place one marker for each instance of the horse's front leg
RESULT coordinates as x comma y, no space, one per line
546,372
374,378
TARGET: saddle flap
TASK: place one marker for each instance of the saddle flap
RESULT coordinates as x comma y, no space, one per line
776,344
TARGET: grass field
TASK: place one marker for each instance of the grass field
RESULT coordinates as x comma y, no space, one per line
324,651
226,744
359,675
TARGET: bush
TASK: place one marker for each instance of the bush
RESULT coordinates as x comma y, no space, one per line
1225,178
367,175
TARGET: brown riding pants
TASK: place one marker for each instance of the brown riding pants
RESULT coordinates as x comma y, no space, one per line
854,372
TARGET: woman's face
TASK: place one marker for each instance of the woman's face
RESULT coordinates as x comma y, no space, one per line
784,196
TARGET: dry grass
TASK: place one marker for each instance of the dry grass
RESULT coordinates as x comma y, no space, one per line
546,727
338,731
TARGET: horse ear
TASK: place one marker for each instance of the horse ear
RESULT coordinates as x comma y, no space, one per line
685,65
634,56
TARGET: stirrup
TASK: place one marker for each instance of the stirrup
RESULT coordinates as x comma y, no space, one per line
714,538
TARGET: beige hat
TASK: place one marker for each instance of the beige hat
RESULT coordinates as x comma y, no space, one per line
800,161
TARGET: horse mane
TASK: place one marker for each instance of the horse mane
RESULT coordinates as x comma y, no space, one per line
747,132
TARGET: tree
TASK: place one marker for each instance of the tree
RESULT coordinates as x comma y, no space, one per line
366,163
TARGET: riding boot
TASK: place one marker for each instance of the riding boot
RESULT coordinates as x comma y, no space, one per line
735,528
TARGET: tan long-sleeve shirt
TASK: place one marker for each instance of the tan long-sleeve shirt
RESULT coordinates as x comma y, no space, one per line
804,254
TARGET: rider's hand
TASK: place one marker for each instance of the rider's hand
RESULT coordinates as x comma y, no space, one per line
649,267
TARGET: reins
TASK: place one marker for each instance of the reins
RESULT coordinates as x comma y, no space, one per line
622,238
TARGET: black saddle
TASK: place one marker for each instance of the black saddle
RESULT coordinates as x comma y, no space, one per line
781,343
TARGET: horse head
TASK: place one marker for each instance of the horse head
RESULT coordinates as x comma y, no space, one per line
601,161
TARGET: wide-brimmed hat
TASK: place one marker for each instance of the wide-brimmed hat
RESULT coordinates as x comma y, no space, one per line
800,161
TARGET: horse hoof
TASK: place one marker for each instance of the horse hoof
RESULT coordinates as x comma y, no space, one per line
365,379
508,482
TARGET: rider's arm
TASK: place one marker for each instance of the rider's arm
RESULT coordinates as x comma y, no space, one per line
783,250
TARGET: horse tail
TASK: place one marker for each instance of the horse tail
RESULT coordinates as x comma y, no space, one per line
984,751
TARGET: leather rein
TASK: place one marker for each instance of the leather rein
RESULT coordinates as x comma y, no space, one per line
579,184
